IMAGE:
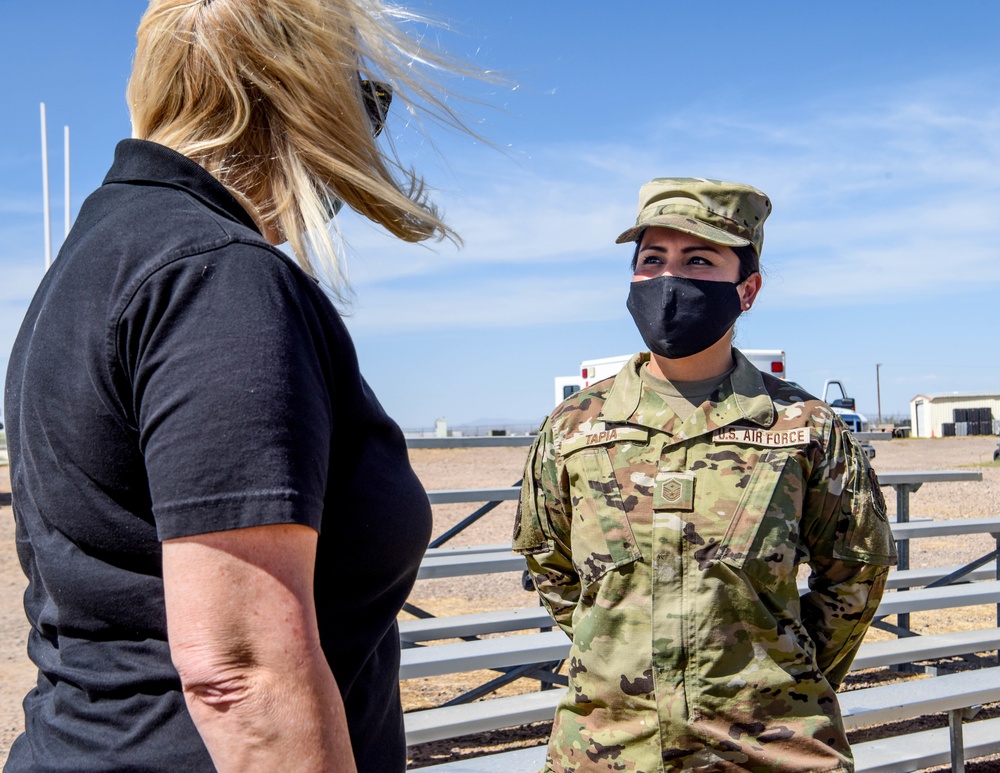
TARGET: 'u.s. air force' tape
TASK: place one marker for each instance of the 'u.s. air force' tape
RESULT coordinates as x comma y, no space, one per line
783,438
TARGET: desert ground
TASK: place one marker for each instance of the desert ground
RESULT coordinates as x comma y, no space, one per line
494,467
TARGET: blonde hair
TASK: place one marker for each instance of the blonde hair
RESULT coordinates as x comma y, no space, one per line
265,95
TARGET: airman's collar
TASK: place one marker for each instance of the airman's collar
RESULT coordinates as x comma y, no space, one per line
741,398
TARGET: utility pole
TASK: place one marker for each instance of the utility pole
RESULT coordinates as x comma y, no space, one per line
878,391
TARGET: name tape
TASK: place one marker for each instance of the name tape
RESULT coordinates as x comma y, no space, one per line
600,435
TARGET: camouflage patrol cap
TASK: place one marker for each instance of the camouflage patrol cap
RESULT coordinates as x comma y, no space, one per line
724,213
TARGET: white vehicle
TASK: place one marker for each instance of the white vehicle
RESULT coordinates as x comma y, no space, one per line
591,371
844,407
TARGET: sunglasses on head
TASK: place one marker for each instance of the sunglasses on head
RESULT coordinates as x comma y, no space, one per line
377,97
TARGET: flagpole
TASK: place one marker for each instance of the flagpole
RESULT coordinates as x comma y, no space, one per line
66,150
45,193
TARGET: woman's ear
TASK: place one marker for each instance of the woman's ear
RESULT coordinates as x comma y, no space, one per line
748,290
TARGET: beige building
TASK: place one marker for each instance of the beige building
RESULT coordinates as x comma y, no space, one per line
947,414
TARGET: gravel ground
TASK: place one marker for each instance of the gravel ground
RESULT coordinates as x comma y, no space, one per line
493,467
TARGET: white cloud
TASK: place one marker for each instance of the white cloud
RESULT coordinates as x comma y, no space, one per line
19,283
489,303
16,289
13,205
518,217
872,193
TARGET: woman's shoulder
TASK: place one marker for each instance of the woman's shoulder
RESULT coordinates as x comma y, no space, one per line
580,412
139,235
794,407
790,396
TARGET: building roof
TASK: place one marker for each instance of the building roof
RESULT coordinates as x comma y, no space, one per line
932,396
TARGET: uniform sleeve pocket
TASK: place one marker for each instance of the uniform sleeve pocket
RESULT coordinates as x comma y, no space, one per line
601,535
529,537
863,532
763,536
531,534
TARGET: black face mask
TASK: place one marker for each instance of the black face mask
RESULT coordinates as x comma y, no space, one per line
679,317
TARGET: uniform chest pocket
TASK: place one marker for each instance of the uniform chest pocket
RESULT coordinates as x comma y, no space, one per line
763,537
602,538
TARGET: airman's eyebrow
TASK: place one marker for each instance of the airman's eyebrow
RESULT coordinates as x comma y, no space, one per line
684,250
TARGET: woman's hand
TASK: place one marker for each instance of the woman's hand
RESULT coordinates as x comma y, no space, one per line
242,629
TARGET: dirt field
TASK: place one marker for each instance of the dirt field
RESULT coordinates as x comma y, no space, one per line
492,467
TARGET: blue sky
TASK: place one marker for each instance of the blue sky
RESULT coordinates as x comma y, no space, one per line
874,128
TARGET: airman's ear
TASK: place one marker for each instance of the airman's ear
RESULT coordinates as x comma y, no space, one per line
748,290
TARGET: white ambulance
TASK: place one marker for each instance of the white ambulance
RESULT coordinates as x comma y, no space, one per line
591,371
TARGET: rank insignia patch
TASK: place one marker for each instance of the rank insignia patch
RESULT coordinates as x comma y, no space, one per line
674,491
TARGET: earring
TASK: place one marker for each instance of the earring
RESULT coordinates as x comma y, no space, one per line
746,306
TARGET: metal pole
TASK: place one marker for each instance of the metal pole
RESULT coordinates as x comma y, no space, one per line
66,151
878,391
903,546
957,741
45,193
996,539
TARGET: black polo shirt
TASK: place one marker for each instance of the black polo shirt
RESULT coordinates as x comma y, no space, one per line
176,375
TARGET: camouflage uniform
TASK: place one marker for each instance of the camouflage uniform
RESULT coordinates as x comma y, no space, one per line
668,551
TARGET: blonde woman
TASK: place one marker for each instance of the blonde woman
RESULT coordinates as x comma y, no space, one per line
217,519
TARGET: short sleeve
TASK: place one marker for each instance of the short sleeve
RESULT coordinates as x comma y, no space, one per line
227,365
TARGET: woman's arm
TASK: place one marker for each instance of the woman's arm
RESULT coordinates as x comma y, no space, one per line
838,609
242,628
851,549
